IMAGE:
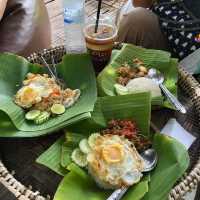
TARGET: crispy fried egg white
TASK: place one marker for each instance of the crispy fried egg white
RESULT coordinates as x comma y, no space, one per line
35,88
114,162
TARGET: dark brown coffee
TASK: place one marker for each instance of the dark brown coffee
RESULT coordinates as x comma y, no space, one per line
100,44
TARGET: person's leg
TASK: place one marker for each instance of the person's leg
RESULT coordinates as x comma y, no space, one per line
25,27
3,4
41,35
141,27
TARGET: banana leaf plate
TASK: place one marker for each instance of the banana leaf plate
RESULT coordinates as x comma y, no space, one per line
77,184
161,60
75,70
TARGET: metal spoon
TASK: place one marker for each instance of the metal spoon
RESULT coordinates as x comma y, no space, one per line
58,80
53,72
48,67
150,158
159,79
54,66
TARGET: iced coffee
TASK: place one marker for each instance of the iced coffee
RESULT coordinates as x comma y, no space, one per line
100,44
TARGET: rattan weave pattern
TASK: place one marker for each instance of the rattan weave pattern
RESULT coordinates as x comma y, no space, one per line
191,87
188,182
20,191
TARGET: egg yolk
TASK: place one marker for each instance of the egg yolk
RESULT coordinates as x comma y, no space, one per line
113,153
28,95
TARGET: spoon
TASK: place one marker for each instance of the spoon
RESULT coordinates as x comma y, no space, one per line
150,158
158,78
53,72
59,81
48,67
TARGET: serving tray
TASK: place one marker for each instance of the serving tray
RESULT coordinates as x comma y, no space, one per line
34,182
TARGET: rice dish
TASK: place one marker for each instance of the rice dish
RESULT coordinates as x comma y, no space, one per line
42,97
143,84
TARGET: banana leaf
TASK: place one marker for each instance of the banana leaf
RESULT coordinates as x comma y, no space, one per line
58,156
8,130
75,70
51,158
160,60
132,106
77,184
172,163
71,142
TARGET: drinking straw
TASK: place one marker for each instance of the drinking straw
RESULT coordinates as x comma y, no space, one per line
98,15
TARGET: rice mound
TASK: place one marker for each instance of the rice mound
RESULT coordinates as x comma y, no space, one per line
143,84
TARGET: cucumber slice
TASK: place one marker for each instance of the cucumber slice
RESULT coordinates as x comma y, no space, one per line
84,146
58,109
43,117
79,157
73,139
120,89
92,139
32,114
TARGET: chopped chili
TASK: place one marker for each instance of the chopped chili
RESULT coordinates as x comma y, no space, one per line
128,128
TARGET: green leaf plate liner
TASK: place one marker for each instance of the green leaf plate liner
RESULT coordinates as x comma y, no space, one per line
77,184
75,70
8,130
158,59
137,107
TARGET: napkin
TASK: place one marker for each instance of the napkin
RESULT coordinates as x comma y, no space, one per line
175,130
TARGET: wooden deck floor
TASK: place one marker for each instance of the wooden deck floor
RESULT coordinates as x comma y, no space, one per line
55,10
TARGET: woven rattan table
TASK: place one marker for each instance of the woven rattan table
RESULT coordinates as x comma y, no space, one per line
19,154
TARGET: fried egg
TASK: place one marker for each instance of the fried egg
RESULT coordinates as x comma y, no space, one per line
27,96
114,162
35,88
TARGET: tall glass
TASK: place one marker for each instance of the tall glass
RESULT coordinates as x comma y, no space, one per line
100,44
